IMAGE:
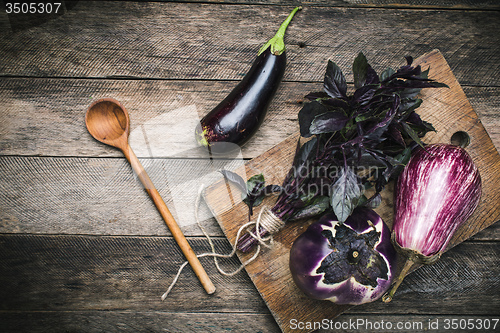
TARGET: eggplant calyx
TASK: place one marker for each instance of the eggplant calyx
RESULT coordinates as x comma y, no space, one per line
201,136
353,256
412,258
277,43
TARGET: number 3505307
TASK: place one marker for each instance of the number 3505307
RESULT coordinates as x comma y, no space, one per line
32,7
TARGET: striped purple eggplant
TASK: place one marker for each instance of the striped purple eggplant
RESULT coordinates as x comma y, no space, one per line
436,193
346,263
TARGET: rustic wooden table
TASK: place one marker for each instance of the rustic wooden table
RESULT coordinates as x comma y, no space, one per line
83,249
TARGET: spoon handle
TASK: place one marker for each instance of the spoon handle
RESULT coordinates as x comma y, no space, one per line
169,220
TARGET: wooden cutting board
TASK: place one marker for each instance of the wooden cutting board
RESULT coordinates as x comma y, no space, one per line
447,109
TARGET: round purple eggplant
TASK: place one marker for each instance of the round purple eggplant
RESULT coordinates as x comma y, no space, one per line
346,263
236,119
436,193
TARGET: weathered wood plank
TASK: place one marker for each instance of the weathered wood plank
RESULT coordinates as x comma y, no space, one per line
102,283
155,321
114,273
46,116
101,196
218,42
90,273
484,102
491,233
135,321
442,4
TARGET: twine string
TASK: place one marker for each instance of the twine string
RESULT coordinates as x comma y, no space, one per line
266,220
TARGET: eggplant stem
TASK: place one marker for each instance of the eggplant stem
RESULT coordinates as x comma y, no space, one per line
277,43
406,268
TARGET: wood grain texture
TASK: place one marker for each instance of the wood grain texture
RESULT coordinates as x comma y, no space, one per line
82,248
61,273
447,109
218,42
154,321
46,116
442,4
491,233
136,321
104,273
101,196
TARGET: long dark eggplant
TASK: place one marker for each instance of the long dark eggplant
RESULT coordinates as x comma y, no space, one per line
236,119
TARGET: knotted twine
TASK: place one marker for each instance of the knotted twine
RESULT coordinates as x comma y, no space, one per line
265,219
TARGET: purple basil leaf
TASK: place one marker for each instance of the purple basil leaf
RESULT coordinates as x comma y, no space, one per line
376,131
364,94
291,173
407,72
336,103
395,134
318,206
255,183
387,74
412,88
307,114
367,116
328,122
304,155
334,82
345,194
363,73
409,93
317,95
380,183
255,194
235,179
367,160
360,70
373,202
412,134
301,162
252,202
409,60
428,126
435,84
372,76
414,119
409,106
381,157
401,160
269,189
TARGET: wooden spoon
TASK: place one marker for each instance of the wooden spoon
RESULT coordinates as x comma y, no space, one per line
107,121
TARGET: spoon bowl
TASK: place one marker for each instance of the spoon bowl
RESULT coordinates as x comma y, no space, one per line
108,122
